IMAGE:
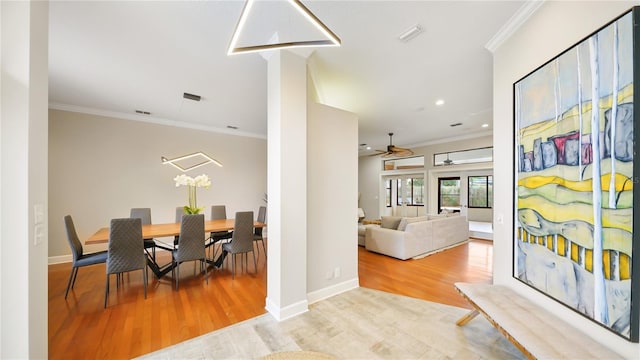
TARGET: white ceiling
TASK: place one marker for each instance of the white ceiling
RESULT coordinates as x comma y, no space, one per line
117,57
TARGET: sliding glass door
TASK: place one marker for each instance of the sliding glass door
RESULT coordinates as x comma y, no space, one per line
449,194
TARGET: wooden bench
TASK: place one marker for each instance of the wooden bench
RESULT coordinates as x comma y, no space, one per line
532,329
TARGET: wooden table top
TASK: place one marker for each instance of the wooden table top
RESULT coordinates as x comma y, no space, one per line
172,229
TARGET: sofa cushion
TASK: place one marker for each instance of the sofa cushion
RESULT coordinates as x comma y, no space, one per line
402,226
390,222
436,216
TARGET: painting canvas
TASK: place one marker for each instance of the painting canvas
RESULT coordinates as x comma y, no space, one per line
575,178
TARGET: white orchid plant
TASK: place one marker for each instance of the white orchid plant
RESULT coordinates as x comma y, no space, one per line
191,184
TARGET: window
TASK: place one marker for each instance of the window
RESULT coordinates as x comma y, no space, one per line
464,157
481,191
414,195
449,194
388,193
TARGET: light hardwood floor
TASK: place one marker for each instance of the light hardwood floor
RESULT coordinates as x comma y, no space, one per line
79,327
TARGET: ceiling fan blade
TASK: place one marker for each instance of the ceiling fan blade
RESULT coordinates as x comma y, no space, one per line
402,151
379,152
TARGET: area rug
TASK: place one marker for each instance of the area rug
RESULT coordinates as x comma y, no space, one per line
357,324
299,355
422,256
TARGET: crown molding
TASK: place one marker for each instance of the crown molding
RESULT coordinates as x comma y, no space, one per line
513,24
153,120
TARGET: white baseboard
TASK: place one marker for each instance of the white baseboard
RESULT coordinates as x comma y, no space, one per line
332,290
286,312
60,259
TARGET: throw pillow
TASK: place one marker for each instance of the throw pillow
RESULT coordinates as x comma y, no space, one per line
390,222
403,224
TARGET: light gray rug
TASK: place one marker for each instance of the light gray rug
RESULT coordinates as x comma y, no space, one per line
358,324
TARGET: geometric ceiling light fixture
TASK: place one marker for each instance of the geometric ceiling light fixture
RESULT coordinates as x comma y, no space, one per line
190,162
331,38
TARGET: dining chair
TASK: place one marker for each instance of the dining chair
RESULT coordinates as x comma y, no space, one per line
218,212
80,259
191,245
144,214
125,251
242,240
257,232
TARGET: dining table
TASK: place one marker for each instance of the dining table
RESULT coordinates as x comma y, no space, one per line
152,231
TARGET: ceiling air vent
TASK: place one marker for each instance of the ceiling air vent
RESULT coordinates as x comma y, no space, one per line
191,97
456,124
141,112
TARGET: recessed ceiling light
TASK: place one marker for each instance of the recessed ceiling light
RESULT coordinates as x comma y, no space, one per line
485,125
439,102
368,147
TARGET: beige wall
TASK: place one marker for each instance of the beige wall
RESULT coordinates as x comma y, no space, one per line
100,167
332,238
552,29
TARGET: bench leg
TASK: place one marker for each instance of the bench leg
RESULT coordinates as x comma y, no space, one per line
468,317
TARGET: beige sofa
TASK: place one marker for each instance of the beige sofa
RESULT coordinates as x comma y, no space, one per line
404,238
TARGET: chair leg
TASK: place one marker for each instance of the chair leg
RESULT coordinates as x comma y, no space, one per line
233,266
71,277
75,275
206,271
264,248
255,263
145,275
177,275
106,292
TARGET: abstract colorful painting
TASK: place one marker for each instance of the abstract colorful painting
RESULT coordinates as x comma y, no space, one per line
575,178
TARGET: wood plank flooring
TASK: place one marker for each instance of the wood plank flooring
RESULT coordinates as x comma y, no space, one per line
79,327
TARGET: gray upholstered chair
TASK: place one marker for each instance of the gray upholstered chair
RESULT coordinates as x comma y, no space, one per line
191,245
218,212
144,214
126,251
80,259
257,232
242,241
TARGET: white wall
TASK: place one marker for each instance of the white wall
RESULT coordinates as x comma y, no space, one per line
370,173
332,237
100,167
552,29
23,181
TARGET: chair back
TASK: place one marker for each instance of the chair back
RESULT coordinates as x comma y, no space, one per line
72,237
218,212
126,247
262,215
242,240
179,213
144,214
191,241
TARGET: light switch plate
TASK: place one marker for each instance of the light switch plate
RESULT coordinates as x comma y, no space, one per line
38,214
38,234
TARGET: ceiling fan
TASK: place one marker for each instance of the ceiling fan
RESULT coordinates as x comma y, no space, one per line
393,150
448,161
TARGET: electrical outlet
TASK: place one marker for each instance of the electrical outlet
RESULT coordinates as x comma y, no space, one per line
336,272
